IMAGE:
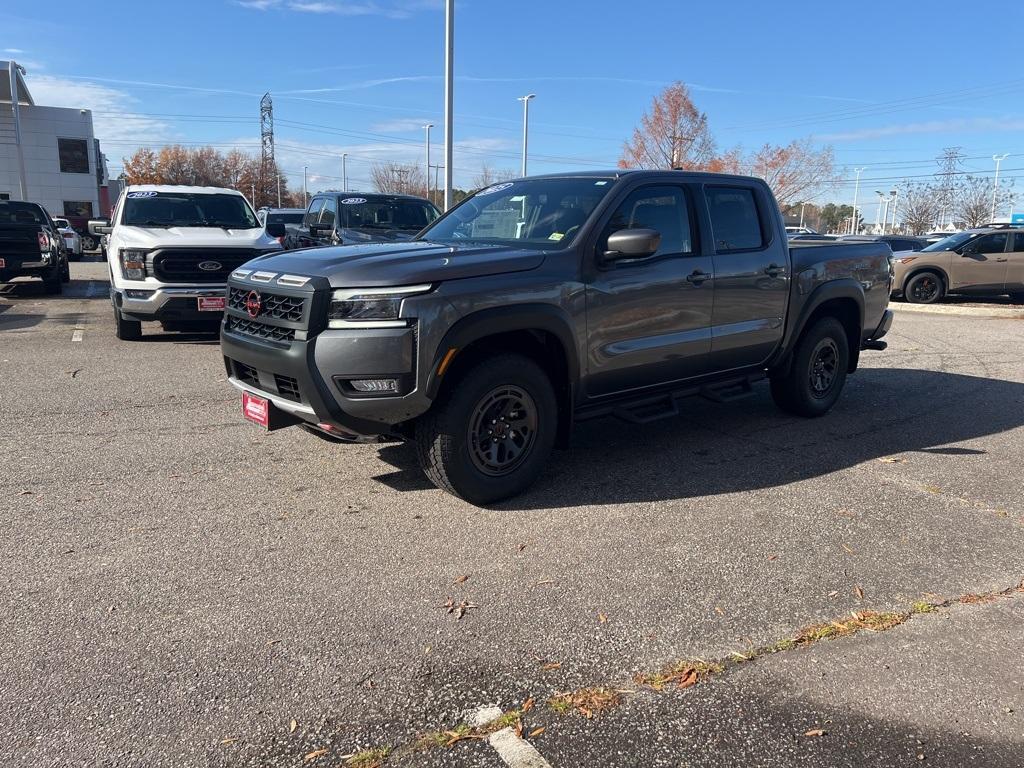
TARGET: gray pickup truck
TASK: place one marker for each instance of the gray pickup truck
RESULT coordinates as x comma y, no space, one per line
543,301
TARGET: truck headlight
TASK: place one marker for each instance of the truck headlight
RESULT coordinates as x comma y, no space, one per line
369,307
133,264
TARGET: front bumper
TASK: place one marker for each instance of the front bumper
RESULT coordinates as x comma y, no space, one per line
167,304
309,378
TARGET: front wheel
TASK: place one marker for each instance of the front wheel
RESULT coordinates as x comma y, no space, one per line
924,288
818,371
88,243
488,437
126,330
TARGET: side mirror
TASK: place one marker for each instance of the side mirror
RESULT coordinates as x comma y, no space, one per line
99,227
275,229
632,244
315,230
969,250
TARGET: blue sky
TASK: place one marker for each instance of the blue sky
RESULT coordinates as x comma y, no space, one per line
887,86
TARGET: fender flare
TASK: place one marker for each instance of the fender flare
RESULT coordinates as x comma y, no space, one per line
843,288
517,317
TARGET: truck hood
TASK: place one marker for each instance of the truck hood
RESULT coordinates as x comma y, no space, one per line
193,237
360,235
396,264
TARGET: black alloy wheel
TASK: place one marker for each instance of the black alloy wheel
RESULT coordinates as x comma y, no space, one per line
502,430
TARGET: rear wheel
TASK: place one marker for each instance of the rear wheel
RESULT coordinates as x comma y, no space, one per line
126,330
488,437
65,273
818,371
53,283
924,288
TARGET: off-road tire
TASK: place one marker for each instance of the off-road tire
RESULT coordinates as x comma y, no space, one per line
53,283
65,272
126,330
443,442
795,391
920,280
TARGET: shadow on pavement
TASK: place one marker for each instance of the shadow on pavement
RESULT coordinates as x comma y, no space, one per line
715,448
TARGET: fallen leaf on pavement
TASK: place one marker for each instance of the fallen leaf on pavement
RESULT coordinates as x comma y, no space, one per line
773,557
719,611
461,580
814,732
522,547
315,754
858,591
273,642
892,460
545,581
292,726
603,618
552,665
536,732
833,593
848,550
688,678
527,705
232,740
27,493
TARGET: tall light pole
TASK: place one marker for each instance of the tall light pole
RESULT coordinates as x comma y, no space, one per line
305,194
344,172
427,128
526,125
856,190
895,197
802,215
279,190
878,213
995,184
449,96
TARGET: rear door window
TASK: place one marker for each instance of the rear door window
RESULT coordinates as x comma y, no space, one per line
735,222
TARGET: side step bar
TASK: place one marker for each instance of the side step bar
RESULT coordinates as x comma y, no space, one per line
644,410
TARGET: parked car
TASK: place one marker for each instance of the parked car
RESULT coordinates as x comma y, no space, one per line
340,218
812,236
72,240
170,250
898,243
282,222
798,230
31,245
984,261
934,237
544,301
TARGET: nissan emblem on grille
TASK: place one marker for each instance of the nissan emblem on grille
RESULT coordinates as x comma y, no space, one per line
210,266
253,304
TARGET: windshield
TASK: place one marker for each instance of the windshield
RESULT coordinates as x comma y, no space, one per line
188,209
360,213
285,218
14,212
950,243
543,213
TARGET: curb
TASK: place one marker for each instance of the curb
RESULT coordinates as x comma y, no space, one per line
947,309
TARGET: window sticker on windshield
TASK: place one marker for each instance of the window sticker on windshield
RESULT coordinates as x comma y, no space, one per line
136,195
556,236
600,183
495,188
353,200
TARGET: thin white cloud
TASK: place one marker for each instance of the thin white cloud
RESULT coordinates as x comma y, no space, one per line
335,7
958,125
13,50
113,115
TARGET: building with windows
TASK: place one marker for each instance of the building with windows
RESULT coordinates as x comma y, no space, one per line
48,155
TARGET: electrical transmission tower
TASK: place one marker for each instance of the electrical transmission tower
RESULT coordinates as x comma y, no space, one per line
950,165
267,166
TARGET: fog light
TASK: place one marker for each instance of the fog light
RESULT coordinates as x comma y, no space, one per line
132,294
374,385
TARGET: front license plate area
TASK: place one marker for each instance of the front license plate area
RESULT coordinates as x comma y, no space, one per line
260,410
211,303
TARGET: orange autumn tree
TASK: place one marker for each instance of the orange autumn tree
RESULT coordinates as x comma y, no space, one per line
675,134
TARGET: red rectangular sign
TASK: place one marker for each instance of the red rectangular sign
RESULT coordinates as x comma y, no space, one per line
211,303
256,409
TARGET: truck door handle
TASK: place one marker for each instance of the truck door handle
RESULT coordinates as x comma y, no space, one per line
774,270
1000,260
697,277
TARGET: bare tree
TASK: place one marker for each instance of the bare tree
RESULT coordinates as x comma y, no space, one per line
398,179
972,200
795,170
920,206
489,175
673,134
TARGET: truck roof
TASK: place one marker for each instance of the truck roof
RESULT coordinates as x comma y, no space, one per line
182,188
618,173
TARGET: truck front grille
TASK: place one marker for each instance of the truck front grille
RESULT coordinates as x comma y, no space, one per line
260,330
207,265
273,305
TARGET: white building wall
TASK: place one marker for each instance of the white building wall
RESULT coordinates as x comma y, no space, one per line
40,129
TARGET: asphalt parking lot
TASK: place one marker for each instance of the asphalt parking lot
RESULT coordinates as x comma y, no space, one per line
180,589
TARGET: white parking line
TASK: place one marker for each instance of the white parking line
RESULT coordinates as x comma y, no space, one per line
77,335
511,748
516,752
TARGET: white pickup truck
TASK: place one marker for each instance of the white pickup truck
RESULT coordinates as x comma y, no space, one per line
170,250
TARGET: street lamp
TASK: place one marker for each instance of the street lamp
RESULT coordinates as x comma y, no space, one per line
878,213
449,91
344,172
895,196
856,189
427,127
526,124
305,194
995,185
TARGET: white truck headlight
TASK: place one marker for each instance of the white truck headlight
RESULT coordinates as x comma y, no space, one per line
370,307
133,264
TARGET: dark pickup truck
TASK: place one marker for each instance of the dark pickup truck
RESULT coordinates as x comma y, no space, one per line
357,218
547,300
31,244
